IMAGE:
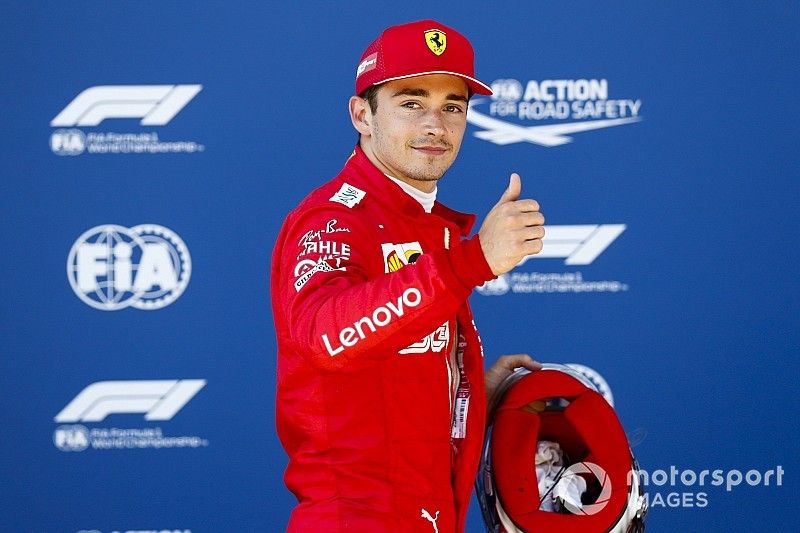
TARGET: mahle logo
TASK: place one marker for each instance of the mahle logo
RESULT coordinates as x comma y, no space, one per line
567,106
155,105
112,267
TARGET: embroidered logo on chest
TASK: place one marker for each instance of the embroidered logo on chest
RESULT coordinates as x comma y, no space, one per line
348,195
396,256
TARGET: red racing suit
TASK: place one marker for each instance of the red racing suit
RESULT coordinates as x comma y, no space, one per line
369,296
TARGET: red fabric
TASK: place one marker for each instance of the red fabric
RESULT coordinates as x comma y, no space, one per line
417,48
514,440
367,429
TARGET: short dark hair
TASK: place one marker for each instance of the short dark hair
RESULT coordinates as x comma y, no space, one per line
370,94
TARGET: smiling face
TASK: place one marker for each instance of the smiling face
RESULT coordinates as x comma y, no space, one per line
416,130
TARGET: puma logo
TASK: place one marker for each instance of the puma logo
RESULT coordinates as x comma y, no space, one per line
427,516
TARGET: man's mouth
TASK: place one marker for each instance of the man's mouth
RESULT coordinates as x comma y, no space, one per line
430,150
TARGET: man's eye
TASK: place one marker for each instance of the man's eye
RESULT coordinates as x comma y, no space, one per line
453,109
411,105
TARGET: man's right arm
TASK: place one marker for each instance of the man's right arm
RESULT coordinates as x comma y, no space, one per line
341,317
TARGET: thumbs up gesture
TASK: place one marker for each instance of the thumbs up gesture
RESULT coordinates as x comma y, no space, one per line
512,229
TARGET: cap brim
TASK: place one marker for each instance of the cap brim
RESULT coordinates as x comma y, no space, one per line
475,85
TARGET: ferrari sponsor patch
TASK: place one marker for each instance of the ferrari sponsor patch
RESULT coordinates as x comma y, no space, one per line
436,41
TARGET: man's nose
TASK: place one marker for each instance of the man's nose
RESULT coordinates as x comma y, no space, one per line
434,122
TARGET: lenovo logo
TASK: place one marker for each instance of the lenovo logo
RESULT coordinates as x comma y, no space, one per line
380,317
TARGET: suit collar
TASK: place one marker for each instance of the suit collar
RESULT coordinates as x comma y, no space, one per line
360,172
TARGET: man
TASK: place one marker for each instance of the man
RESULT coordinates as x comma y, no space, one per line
381,402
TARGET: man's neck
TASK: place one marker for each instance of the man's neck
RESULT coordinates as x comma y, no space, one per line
425,199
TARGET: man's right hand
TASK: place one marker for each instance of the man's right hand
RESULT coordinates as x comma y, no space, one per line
512,229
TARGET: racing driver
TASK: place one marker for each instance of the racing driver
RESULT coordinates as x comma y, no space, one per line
381,392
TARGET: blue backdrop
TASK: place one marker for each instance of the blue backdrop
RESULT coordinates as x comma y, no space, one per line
162,188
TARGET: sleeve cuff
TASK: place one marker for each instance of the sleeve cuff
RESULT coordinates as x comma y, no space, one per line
469,263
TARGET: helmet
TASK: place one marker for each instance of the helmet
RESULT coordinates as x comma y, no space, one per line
559,404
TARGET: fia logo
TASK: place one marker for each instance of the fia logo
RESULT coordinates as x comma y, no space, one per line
112,267
68,142
71,438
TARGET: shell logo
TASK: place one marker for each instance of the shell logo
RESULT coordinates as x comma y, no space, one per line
396,256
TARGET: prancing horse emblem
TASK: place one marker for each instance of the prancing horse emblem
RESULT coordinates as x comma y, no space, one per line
427,516
436,41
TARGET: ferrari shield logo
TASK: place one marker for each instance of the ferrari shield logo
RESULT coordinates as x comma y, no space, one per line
436,41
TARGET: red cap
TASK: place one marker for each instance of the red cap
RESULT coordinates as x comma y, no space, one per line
416,49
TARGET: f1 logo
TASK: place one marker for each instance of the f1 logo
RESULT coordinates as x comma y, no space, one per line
579,244
156,105
158,399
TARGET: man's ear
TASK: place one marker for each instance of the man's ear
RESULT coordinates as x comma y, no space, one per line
361,115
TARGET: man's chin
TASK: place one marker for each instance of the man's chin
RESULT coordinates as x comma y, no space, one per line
429,173
426,177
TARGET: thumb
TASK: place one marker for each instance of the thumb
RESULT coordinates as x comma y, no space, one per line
513,190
